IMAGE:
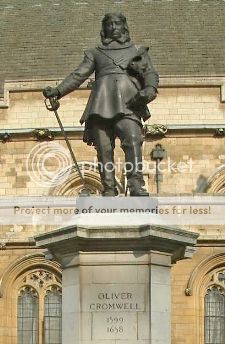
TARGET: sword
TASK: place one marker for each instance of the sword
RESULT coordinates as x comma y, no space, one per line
53,106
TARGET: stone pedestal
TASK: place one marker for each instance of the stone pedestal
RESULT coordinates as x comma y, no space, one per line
116,281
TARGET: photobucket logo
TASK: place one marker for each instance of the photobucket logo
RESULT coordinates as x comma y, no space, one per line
164,166
170,166
49,164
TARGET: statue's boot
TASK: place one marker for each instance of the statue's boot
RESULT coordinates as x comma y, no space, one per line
104,143
107,170
131,146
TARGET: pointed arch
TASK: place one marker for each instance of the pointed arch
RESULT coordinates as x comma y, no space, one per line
198,275
73,185
24,271
203,277
216,181
24,264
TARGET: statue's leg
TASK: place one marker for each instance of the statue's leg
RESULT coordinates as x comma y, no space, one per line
130,133
104,143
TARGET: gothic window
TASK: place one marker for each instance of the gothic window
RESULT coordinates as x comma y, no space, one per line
39,309
215,316
207,287
27,316
53,316
214,309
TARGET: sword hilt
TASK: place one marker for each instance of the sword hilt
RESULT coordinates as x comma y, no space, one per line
52,103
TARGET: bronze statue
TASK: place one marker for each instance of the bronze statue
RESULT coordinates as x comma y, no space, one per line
125,82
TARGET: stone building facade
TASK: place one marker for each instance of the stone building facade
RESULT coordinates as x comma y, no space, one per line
188,120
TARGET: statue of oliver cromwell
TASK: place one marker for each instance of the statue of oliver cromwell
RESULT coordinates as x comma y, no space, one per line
125,82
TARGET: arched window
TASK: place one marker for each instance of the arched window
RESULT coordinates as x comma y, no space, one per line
39,309
23,287
27,316
206,289
215,316
53,316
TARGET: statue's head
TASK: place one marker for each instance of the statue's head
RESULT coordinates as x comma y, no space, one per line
114,27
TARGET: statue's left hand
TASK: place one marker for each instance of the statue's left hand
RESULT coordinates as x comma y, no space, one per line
147,95
143,97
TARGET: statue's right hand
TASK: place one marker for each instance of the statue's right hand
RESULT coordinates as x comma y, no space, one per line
50,92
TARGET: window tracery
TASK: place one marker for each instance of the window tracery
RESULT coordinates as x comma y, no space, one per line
214,314
214,307
39,308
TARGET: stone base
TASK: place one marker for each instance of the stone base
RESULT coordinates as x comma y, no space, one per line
116,282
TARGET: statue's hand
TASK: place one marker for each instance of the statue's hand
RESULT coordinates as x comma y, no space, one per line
50,92
143,97
147,95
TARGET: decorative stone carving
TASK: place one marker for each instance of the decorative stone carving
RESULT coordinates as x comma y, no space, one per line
210,271
218,278
29,289
216,182
2,245
220,132
155,130
54,288
41,278
5,137
43,134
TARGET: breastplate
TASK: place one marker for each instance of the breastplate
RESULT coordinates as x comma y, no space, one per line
110,61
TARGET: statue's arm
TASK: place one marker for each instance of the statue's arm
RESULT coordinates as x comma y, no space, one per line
78,76
148,77
151,77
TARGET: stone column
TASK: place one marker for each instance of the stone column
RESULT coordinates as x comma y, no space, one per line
116,281
160,296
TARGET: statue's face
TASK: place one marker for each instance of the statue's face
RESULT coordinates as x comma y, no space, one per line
114,27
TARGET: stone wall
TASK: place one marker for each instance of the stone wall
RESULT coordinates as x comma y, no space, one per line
174,105
200,152
190,157
187,311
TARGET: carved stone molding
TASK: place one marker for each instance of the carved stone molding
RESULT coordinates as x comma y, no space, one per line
209,273
220,132
5,137
171,240
216,182
202,271
73,185
43,134
165,81
41,278
24,264
29,289
158,130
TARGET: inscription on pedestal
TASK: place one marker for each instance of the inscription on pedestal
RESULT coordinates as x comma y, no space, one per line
114,309
115,326
119,297
114,301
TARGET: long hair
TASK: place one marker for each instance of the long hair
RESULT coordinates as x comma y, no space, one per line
125,37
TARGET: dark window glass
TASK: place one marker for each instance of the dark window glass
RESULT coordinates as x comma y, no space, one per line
214,316
53,317
27,317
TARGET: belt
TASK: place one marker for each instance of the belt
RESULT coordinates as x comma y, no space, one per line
101,74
